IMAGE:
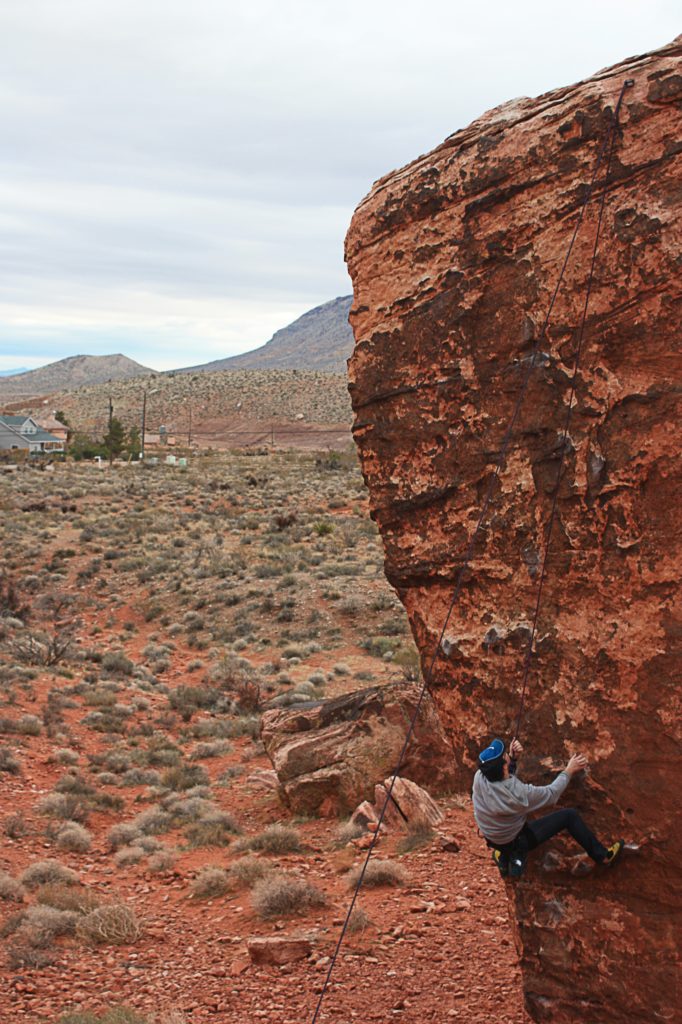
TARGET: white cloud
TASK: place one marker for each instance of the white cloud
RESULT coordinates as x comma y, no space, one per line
178,175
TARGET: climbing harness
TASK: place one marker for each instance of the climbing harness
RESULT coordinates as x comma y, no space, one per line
607,146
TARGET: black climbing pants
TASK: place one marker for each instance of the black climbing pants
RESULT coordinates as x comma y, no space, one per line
534,833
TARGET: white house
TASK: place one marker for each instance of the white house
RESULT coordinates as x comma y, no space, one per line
23,433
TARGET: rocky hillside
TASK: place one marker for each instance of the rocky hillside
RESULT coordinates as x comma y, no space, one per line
321,340
70,373
454,260
230,407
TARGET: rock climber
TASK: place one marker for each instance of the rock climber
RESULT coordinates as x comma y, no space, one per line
502,804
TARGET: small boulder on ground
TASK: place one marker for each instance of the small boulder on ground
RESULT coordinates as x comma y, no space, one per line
409,807
278,949
329,755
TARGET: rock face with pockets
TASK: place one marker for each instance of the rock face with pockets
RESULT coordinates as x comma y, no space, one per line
454,260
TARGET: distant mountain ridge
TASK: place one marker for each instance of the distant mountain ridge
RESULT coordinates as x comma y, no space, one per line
72,372
13,373
321,339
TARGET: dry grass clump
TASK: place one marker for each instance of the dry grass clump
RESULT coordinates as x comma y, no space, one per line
161,861
210,882
116,1015
121,1015
378,872
215,828
418,836
114,924
276,839
359,921
281,895
248,870
124,834
77,899
73,838
348,831
128,855
185,776
64,756
47,871
8,762
10,888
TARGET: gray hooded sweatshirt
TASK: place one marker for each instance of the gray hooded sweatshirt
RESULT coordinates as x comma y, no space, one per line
501,808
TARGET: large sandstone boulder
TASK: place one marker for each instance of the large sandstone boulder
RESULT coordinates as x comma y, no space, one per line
454,259
329,755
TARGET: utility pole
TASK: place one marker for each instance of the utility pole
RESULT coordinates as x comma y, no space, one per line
189,429
144,417
111,416
144,421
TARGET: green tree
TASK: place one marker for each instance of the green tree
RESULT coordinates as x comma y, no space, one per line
115,438
83,447
61,418
134,443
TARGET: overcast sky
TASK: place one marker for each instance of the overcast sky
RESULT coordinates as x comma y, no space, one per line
177,176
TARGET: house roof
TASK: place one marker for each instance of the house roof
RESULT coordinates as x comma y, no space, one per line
49,422
14,421
39,436
43,435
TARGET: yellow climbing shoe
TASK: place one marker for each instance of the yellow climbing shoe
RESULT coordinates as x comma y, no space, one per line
613,852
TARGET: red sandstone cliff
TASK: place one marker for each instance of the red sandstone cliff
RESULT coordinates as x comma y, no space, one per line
453,260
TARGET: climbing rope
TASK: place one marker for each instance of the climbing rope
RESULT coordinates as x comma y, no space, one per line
607,142
563,444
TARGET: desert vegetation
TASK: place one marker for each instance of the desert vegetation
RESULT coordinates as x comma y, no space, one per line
149,617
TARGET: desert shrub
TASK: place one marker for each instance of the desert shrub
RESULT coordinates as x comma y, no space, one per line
116,663
348,831
128,855
185,776
248,870
73,838
161,861
123,834
204,750
141,777
280,895
359,921
27,725
415,838
114,924
188,808
21,957
77,898
8,762
15,826
41,925
10,889
274,839
66,806
244,725
118,1015
64,756
153,821
216,829
117,761
378,872
209,882
211,728
188,699
44,871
